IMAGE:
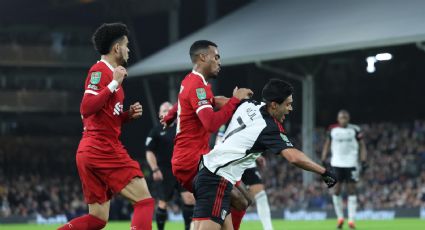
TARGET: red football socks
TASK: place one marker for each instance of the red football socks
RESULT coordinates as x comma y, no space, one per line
86,222
237,218
143,214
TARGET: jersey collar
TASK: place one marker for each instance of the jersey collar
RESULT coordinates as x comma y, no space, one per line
107,64
201,76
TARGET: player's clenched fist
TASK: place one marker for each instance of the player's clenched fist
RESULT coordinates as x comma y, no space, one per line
135,111
119,74
329,178
242,93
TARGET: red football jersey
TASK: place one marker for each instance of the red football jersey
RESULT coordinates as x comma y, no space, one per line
105,105
192,139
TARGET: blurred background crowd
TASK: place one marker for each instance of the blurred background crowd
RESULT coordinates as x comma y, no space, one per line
48,184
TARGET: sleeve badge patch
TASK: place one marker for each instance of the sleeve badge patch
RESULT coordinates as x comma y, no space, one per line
95,78
200,92
286,140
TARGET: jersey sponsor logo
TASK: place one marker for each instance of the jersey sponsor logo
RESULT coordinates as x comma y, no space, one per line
93,87
203,102
286,140
201,94
95,78
117,109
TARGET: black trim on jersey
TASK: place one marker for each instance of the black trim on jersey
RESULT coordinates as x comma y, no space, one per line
238,129
228,163
271,131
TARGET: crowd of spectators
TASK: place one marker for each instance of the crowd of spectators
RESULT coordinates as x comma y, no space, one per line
395,177
35,180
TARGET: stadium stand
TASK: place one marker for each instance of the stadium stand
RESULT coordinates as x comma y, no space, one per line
48,185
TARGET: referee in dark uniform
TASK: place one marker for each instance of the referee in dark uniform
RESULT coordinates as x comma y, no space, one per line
159,150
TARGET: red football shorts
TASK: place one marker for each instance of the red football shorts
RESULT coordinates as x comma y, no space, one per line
105,172
185,174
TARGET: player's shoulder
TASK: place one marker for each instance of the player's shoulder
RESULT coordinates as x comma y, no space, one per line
100,67
250,104
333,126
193,80
355,127
272,125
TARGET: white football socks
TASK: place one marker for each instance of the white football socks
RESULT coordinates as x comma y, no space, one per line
263,210
352,207
337,200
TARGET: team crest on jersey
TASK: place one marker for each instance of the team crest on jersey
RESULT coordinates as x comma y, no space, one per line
200,92
223,214
95,77
286,140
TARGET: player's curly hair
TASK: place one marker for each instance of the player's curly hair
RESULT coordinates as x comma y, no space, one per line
106,35
277,90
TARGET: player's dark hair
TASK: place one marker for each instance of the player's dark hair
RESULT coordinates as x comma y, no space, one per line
344,111
277,90
107,35
198,46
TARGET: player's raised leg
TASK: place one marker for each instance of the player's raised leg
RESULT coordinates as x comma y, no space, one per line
138,194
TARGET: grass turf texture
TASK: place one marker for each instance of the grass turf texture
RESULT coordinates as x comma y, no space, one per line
398,224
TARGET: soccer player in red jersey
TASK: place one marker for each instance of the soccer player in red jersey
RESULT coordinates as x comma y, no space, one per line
104,166
196,118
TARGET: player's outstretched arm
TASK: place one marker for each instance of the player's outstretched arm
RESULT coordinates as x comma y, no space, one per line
300,160
220,101
212,120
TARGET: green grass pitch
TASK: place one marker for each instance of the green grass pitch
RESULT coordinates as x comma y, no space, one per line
398,224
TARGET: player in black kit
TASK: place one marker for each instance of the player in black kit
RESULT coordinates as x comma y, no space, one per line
159,149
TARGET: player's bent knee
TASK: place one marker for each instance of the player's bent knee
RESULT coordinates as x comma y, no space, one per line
255,189
188,198
100,211
162,204
238,200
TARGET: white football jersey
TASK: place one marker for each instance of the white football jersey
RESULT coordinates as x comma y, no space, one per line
251,132
345,145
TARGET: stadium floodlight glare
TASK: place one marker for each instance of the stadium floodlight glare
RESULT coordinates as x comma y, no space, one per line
371,64
384,57
371,60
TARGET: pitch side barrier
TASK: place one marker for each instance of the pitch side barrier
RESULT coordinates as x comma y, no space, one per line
320,214
286,214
